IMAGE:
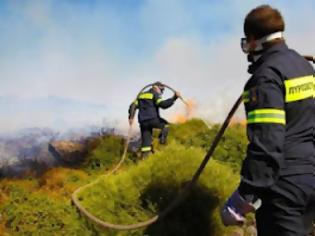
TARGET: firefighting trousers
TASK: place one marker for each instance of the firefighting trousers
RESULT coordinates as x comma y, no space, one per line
288,208
147,127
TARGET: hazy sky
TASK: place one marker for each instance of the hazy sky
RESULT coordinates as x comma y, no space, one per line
71,62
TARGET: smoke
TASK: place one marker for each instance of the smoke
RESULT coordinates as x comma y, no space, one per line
73,65
28,153
79,66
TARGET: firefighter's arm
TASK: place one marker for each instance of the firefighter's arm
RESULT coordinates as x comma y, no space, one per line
132,110
164,104
266,133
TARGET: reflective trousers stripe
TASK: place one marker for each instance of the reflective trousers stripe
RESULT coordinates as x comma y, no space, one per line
146,149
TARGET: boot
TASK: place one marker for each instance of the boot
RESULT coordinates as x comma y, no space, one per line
163,140
163,136
144,155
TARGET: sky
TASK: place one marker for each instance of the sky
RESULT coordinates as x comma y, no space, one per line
70,63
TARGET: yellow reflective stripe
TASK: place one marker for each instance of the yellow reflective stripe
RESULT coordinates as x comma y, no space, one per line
159,101
268,115
146,96
246,96
267,111
136,102
299,88
266,120
146,149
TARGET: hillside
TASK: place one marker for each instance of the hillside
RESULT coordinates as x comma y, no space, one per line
141,189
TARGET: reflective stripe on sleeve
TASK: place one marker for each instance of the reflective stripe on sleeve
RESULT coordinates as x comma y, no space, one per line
159,101
268,115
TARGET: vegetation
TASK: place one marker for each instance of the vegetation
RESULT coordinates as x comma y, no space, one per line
147,188
140,190
42,206
35,214
195,133
107,154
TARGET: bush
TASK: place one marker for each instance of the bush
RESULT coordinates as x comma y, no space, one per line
231,148
42,206
34,214
61,182
106,154
192,133
146,189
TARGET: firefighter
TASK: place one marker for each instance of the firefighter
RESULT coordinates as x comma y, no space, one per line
279,168
149,118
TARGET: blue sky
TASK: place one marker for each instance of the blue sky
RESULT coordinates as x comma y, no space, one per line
76,62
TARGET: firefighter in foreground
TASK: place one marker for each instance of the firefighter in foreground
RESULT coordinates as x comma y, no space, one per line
149,118
279,102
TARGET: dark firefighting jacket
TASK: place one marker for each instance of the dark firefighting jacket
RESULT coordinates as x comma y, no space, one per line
280,111
148,104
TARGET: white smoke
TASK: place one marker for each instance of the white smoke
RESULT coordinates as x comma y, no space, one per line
85,62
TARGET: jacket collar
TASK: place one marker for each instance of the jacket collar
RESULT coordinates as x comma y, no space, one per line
266,56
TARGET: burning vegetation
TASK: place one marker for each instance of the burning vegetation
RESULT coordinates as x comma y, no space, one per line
186,113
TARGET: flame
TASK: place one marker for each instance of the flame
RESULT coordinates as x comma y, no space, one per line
179,118
183,116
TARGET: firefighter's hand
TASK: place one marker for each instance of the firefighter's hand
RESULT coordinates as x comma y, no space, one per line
235,209
177,94
230,216
130,121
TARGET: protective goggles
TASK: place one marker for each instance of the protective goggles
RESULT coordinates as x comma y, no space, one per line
245,46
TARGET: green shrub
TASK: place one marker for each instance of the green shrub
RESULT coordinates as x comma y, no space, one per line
231,148
146,189
138,192
106,154
32,214
61,182
191,133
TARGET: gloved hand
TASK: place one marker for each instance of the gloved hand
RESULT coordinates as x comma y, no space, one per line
235,209
177,94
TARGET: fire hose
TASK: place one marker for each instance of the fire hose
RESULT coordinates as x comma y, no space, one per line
186,190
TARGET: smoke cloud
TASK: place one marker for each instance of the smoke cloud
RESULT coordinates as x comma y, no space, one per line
67,64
